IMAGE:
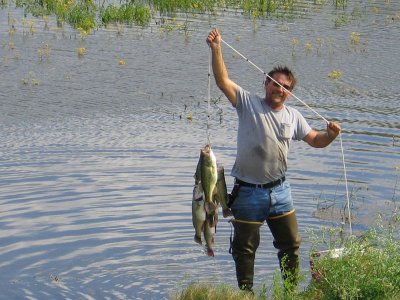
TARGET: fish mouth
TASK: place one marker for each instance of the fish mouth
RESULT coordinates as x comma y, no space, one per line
206,149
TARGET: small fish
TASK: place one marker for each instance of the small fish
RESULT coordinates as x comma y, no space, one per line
209,176
197,175
221,194
198,213
210,226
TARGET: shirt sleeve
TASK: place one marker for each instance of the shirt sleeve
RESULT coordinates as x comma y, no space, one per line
242,99
302,128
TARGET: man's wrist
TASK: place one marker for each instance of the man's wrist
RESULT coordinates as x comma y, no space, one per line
329,136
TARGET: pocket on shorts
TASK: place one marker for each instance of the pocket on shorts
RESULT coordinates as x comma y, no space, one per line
281,199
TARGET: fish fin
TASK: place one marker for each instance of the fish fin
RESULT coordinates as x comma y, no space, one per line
197,192
212,220
197,239
210,207
215,192
210,252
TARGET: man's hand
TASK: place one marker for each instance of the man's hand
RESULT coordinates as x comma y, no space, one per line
322,139
227,86
333,130
214,38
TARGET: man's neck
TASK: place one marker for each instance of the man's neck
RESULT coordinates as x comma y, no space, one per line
274,106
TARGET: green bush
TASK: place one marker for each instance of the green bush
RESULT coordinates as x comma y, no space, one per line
369,267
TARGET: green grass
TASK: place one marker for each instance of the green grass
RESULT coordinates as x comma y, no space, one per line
205,291
82,15
127,13
369,268
340,3
87,15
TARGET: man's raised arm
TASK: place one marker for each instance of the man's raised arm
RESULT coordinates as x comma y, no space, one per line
227,86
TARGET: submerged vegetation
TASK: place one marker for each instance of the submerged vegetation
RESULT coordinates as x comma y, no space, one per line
127,13
335,75
366,267
86,15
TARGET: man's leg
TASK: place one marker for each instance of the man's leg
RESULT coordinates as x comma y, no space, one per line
287,240
245,242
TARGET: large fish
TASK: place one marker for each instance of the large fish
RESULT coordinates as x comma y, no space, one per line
221,194
210,226
198,212
209,177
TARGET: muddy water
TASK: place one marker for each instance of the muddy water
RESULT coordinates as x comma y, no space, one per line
97,156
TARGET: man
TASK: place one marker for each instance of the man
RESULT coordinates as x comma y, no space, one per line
261,192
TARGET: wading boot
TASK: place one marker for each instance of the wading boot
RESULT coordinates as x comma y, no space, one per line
245,242
287,241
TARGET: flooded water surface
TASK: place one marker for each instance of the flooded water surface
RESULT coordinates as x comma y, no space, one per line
99,150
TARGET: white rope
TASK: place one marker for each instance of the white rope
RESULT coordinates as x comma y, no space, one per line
305,104
209,99
313,110
345,183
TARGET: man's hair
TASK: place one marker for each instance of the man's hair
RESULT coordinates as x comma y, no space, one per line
283,70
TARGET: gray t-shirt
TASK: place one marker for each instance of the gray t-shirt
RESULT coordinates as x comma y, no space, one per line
264,137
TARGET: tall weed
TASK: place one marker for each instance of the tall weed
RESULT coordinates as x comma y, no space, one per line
368,268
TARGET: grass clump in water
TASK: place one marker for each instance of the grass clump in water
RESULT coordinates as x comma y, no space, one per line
261,8
78,13
82,15
127,13
86,15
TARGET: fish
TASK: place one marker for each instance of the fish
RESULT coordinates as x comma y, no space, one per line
198,213
221,194
204,203
209,177
210,227
197,174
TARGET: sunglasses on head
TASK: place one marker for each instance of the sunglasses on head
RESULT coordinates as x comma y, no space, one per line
279,85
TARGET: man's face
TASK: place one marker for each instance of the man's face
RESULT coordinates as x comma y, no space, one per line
275,95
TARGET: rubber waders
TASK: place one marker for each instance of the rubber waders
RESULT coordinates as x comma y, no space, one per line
287,241
245,242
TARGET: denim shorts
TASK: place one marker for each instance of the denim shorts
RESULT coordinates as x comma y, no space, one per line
257,204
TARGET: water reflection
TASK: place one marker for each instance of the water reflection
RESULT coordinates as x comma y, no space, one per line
98,158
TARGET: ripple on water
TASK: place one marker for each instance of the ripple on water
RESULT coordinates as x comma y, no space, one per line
98,159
